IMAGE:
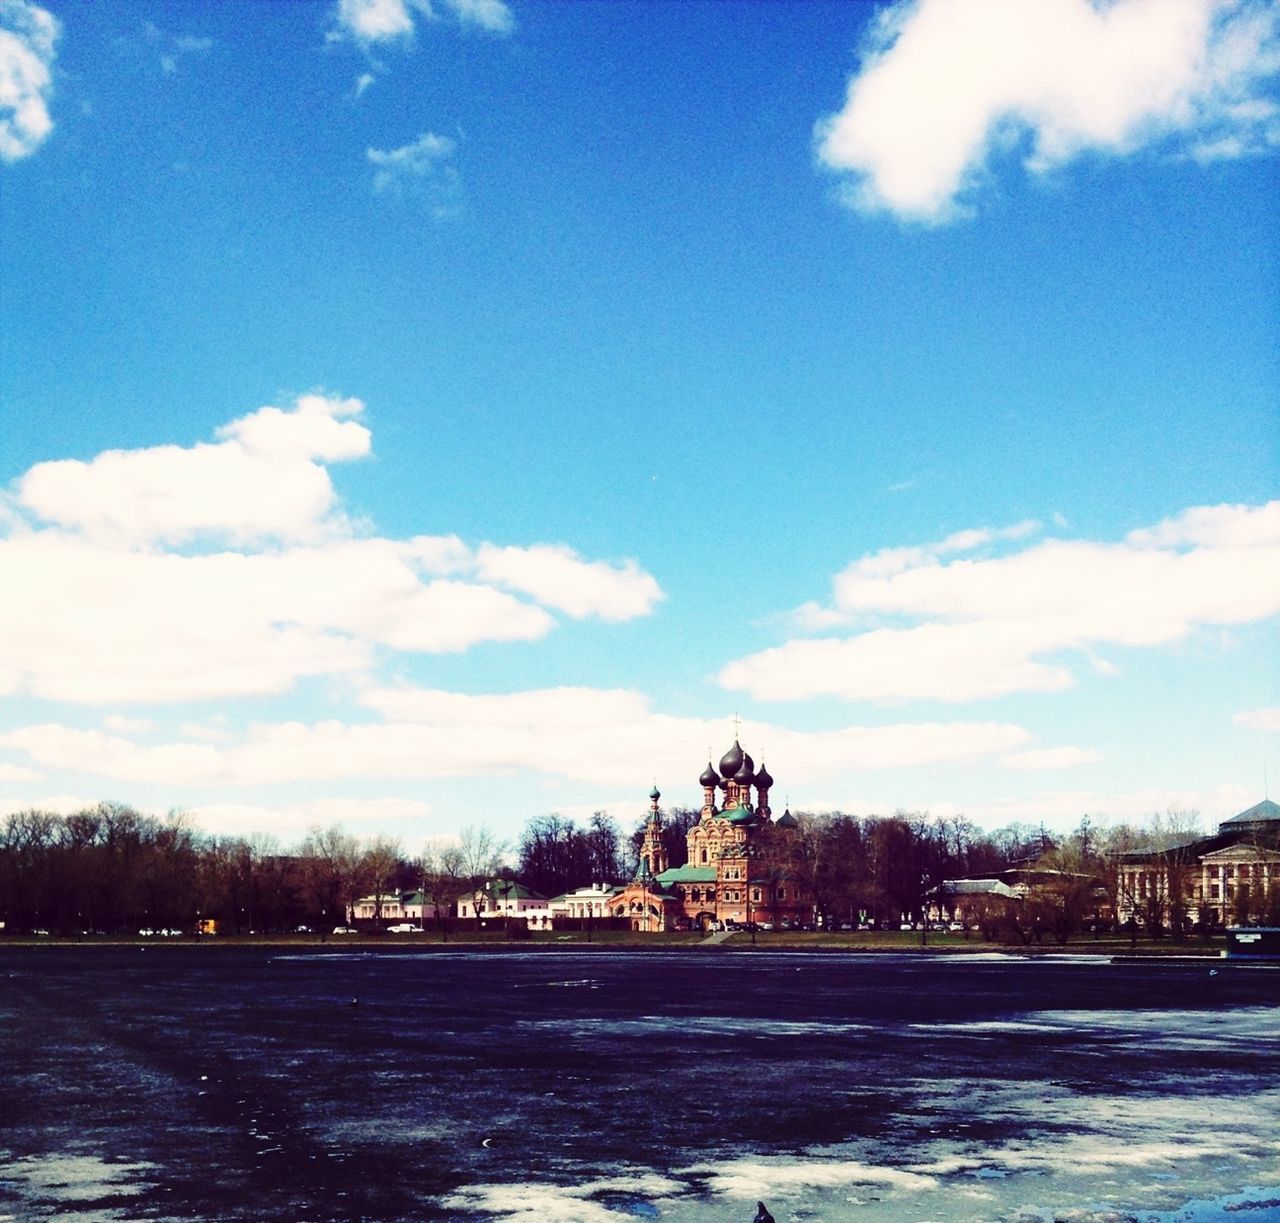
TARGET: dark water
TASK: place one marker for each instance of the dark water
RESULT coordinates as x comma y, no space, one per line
237,1083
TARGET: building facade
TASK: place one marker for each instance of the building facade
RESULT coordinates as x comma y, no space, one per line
1230,877
743,865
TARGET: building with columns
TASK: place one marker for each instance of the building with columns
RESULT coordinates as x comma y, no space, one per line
742,864
1230,877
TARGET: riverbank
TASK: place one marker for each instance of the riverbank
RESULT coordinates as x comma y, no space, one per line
910,942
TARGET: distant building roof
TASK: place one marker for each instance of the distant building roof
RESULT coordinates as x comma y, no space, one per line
975,887
510,890
1260,813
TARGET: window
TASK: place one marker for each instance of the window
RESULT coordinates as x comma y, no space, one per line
782,894
755,893
704,855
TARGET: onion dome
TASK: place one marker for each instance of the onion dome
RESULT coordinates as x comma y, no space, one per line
731,761
709,776
762,777
745,775
655,794
787,820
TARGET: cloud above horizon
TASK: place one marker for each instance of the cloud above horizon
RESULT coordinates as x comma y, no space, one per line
28,36
566,733
945,626
945,91
423,168
144,581
370,22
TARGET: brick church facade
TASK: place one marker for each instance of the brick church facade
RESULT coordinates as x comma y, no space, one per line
743,865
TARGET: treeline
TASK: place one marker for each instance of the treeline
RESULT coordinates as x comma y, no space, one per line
877,867
111,869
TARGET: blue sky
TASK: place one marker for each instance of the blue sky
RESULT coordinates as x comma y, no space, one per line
418,415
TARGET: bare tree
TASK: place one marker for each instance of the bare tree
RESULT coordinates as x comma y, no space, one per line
378,866
480,859
331,855
441,870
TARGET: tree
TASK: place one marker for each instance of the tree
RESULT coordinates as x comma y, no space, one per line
480,859
554,854
442,882
331,856
378,866
604,843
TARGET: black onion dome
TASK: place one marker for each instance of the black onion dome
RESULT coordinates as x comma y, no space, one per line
787,820
731,761
709,776
763,778
745,774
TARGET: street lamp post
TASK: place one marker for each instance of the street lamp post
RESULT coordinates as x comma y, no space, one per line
506,906
924,910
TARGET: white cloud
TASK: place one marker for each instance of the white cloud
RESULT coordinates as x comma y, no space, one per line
271,459
281,587
943,88
491,15
423,168
369,22
1051,758
172,47
601,737
991,626
311,430
58,804
1259,719
357,815
28,35
557,577
1062,809
16,772
120,724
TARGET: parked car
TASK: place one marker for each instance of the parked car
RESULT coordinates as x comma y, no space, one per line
957,927
405,927
764,925
302,929
343,930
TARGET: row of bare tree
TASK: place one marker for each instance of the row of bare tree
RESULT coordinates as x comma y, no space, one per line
112,869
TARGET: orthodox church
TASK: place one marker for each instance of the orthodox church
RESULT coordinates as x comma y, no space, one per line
742,863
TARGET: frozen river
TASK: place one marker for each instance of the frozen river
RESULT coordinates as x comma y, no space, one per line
239,1083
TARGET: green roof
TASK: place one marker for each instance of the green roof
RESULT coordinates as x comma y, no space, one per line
499,888
688,874
739,815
